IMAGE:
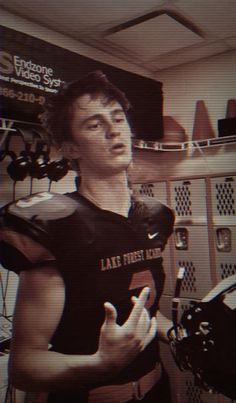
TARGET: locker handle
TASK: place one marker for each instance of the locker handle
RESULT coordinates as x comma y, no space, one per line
223,240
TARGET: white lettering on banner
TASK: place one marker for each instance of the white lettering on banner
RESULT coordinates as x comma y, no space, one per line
28,73
51,81
21,82
36,72
29,65
50,90
6,65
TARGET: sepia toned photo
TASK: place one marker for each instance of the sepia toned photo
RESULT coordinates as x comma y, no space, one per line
118,206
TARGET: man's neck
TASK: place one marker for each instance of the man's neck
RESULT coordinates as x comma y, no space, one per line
110,193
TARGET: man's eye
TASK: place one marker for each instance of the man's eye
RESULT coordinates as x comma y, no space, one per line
94,126
120,119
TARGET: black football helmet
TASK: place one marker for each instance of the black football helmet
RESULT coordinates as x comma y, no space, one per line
204,341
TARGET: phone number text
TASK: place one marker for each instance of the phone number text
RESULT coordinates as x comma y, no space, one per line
22,96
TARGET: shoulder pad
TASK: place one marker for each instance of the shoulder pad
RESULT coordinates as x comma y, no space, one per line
155,212
43,206
162,214
156,217
32,215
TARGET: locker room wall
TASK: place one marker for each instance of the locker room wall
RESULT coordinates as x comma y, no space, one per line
199,185
212,80
161,175
204,205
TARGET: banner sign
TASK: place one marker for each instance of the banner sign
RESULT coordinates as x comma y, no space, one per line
32,69
28,73
17,71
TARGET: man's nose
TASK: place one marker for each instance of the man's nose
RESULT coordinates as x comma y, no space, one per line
112,130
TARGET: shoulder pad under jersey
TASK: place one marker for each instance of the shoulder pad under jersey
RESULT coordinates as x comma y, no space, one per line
156,217
46,205
161,215
28,214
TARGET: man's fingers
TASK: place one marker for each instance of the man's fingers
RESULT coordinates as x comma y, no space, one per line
110,313
151,333
139,304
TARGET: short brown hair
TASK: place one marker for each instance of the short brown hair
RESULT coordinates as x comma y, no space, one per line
56,118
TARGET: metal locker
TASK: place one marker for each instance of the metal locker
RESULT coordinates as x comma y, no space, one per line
225,251
188,199
190,393
223,195
191,251
155,190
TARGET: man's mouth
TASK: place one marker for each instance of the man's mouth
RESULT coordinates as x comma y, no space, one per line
118,148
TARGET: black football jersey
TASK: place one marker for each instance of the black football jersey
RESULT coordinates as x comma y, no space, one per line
102,256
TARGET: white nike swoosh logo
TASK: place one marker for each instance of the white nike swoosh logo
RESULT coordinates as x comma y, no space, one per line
151,236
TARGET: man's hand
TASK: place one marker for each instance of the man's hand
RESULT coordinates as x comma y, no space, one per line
119,345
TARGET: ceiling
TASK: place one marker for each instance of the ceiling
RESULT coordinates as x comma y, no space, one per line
152,34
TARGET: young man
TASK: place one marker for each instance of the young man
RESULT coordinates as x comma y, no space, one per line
86,320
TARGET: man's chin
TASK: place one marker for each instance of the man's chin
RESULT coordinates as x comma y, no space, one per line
117,168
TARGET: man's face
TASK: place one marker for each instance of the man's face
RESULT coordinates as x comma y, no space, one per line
102,135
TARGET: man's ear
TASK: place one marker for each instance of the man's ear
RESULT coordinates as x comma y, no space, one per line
70,150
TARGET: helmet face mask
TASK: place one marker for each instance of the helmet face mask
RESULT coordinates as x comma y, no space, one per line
205,340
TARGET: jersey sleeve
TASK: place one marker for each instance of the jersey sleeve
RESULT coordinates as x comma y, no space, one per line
20,252
25,241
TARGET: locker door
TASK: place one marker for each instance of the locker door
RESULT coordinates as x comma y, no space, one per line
188,199
223,190
223,199
194,257
191,245
155,190
225,251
